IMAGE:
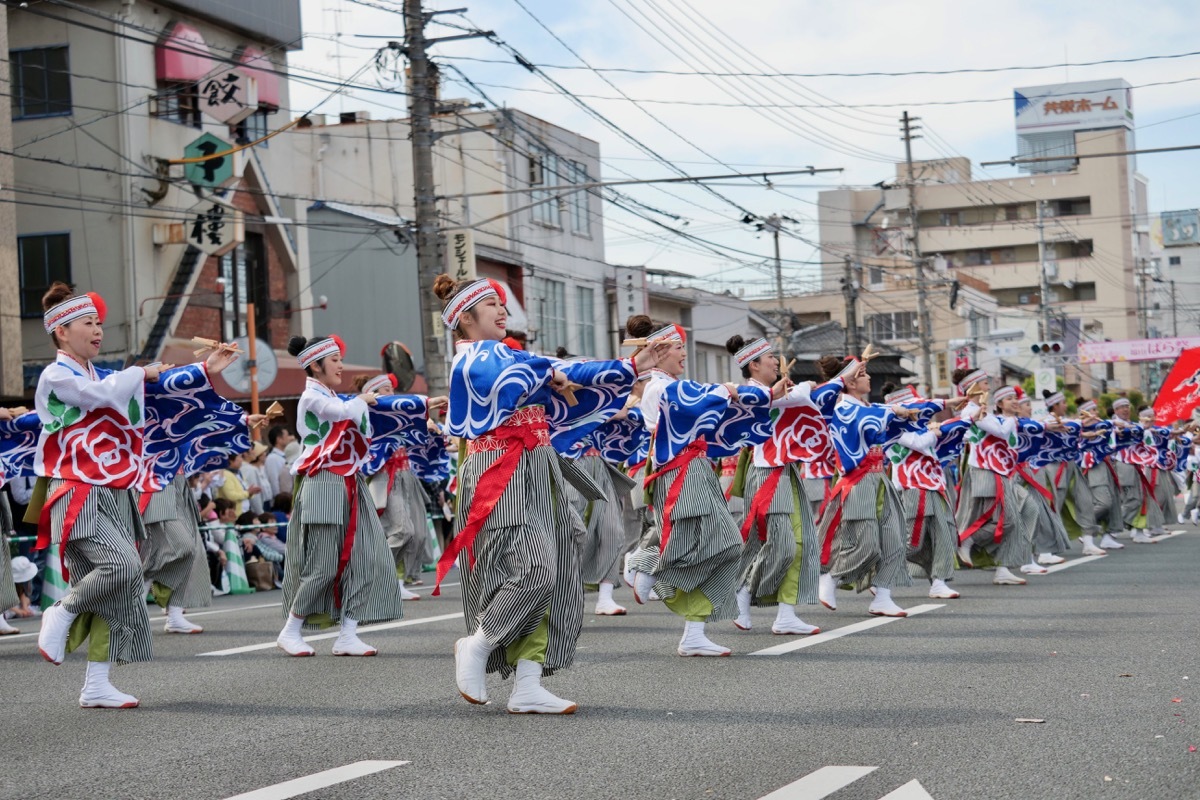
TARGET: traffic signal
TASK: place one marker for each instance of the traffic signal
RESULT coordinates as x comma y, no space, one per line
1046,348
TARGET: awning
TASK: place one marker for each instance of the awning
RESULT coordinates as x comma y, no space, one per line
264,72
289,381
181,56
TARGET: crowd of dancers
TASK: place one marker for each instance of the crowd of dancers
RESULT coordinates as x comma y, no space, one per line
571,474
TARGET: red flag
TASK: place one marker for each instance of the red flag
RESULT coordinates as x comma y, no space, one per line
1179,394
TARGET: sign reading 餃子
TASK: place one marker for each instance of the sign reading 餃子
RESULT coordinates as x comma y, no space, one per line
460,255
1084,105
229,96
1135,349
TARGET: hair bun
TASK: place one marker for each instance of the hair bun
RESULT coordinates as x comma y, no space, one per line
734,344
296,344
829,366
57,293
443,287
639,326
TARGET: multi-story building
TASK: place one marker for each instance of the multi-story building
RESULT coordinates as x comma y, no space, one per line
496,173
1086,215
106,100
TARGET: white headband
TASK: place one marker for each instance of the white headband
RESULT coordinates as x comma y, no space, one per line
1090,405
1120,402
379,384
315,352
667,334
1003,392
68,311
756,349
470,296
971,379
900,395
1054,399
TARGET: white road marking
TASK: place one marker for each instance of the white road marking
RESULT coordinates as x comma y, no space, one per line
913,790
383,626
837,633
320,780
820,783
1072,563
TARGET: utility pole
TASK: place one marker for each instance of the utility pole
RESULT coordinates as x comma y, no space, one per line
1043,277
923,329
850,292
773,225
1174,315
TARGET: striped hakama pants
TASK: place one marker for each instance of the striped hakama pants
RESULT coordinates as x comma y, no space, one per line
524,591
316,543
173,555
931,547
8,589
105,573
1130,488
1049,536
867,547
1106,498
1165,489
404,523
1075,501
604,525
777,564
979,500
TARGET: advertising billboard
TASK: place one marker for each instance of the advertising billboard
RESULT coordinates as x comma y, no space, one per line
1083,105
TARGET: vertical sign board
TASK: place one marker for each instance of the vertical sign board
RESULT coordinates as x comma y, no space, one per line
460,255
631,293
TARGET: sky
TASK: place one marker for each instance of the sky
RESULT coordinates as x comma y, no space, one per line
706,128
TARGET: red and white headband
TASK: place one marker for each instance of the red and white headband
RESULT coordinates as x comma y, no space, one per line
671,333
1054,399
470,296
971,379
756,349
1090,405
72,309
321,349
1120,402
902,395
381,384
1003,392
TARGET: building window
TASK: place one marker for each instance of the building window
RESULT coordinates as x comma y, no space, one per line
577,203
723,368
254,127
950,219
874,275
1012,213
1174,261
179,102
544,170
552,313
41,82
892,326
245,272
42,259
585,313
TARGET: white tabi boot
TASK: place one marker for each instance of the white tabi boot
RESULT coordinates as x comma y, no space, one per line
964,554
291,641
605,605
1109,542
1088,543
1194,516
348,644
1140,537
406,594
940,590
743,621
883,605
1033,568
5,628
529,697
52,639
788,624
1004,577
470,667
695,643
1049,559
643,586
98,692
178,623
827,591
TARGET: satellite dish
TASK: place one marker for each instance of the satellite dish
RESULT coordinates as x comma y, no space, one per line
237,374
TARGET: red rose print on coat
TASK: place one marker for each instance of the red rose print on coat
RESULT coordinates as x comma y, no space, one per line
799,434
997,456
340,452
101,448
919,471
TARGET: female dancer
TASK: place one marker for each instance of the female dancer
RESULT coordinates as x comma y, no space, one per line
862,541
778,567
340,569
90,453
515,547
694,564
993,513
1039,445
19,431
917,475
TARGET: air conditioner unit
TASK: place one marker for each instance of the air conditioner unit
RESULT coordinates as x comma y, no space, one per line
1024,299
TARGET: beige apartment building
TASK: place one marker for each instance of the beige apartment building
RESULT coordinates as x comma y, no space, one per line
984,234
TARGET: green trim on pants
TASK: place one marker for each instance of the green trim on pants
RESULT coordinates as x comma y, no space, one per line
531,647
789,588
693,606
93,629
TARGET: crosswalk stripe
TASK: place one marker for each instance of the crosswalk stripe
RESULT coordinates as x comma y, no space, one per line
383,626
821,783
837,633
913,790
320,780
1072,563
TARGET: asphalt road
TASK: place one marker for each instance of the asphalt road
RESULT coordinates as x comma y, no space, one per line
1105,653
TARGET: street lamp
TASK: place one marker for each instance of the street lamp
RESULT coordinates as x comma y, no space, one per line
219,292
322,303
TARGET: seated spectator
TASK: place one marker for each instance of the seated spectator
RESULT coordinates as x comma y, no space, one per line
273,550
232,488
254,476
224,516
